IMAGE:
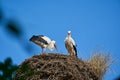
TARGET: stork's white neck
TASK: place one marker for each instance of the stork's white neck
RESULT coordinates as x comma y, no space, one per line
69,36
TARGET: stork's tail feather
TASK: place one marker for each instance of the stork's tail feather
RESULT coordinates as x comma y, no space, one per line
33,38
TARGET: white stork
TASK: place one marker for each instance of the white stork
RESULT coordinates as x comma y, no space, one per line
44,42
70,45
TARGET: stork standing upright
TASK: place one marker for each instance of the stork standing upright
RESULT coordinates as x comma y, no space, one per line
70,45
44,42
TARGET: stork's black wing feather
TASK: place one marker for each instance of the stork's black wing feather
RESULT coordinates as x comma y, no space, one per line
65,45
38,38
75,49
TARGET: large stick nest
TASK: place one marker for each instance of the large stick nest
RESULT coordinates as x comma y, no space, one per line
54,67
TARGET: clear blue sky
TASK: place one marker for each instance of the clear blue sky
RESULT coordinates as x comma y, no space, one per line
95,24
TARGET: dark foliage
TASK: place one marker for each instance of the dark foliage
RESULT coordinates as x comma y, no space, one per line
7,69
14,28
1,15
118,78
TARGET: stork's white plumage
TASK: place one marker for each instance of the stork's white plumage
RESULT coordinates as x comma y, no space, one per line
70,45
44,42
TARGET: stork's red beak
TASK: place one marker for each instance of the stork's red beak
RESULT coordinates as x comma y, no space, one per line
56,48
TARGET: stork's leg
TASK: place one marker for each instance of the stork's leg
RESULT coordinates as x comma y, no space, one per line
44,50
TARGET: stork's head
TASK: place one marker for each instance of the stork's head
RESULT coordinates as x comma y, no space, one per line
54,45
69,33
